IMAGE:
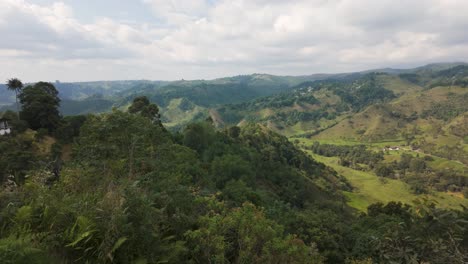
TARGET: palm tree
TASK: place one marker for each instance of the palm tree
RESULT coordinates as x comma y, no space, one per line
16,85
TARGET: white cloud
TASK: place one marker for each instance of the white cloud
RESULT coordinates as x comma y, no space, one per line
206,38
178,12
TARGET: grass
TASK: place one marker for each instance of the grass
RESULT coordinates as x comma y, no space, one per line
442,163
176,116
350,142
41,147
370,189
309,142
376,127
438,163
299,128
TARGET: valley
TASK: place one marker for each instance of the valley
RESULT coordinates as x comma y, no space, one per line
299,165
233,132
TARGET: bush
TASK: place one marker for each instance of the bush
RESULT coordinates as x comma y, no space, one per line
465,192
21,251
40,134
384,170
428,158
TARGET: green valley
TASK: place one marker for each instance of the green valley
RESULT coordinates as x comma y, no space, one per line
366,167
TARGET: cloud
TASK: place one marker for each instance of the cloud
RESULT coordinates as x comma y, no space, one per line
178,12
207,38
52,32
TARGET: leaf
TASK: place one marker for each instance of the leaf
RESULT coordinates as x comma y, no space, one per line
118,243
80,238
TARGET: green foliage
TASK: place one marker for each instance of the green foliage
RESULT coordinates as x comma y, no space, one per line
40,104
231,167
120,136
245,235
300,104
198,136
422,178
134,193
17,157
16,85
465,192
237,192
384,170
70,128
93,104
457,75
21,250
40,134
397,233
363,92
142,106
447,110
18,125
349,155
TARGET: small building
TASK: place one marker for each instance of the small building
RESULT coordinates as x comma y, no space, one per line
5,128
387,148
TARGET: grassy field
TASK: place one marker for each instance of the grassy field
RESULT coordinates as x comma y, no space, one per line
438,162
176,115
370,189
340,141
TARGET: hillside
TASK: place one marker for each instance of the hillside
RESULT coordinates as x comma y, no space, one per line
368,107
199,95
318,104
354,168
203,95
160,193
83,90
423,117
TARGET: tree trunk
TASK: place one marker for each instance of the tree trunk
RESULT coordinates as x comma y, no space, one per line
17,105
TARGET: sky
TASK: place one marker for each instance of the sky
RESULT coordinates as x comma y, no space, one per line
87,40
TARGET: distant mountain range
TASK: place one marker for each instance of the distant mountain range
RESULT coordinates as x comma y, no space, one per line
257,96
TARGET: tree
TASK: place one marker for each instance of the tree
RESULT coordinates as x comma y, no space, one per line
40,104
141,105
16,85
13,119
234,131
70,128
198,136
383,170
465,192
417,165
118,136
246,235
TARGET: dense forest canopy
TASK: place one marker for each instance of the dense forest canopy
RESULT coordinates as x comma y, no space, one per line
119,187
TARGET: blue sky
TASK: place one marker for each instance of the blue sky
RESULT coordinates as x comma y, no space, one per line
82,40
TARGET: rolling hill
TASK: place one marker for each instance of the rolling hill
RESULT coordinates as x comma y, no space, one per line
357,151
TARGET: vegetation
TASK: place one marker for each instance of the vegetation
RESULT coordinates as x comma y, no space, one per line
40,104
118,187
413,170
15,85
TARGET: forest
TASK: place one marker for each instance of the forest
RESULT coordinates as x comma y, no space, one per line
119,187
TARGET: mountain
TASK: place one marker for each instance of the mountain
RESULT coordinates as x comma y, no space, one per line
370,106
200,97
366,167
422,114
315,105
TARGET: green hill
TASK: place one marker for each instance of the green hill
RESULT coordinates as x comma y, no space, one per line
425,116
352,168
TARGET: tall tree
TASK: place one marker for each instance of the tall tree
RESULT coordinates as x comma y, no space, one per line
14,84
143,106
40,104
